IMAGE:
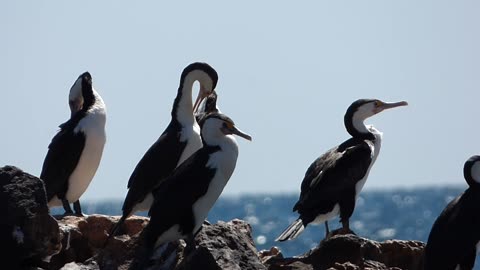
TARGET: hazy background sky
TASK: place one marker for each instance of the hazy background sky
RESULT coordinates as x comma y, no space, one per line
287,73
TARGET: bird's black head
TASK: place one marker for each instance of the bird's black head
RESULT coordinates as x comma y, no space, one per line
204,74
209,104
81,93
217,126
471,171
362,109
202,67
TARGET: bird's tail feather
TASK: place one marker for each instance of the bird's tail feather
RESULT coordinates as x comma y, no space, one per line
294,230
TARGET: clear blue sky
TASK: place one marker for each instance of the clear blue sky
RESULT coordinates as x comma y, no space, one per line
287,73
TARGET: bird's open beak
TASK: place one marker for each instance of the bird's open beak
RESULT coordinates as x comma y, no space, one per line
240,133
386,105
203,93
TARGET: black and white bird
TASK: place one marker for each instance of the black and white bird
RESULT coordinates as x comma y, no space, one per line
454,240
76,150
183,200
208,105
180,139
333,181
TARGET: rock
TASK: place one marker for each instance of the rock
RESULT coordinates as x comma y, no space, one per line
84,238
225,245
230,244
353,252
28,233
89,265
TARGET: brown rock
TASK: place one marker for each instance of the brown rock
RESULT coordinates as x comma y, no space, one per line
225,245
84,238
353,252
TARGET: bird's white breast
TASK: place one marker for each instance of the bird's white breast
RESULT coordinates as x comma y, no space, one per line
190,134
327,216
93,126
375,149
224,162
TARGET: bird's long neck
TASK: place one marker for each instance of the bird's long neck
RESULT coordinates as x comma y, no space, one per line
225,159
89,97
356,127
182,110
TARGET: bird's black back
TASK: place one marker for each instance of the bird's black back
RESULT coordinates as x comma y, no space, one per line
175,196
156,164
455,233
333,176
62,157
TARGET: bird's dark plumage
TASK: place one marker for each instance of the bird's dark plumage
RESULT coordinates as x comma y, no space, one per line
62,158
65,173
179,140
333,181
455,234
183,199
331,175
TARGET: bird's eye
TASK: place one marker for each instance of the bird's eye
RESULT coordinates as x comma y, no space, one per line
228,125
378,103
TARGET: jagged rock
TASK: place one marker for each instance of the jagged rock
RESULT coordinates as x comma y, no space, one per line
225,245
89,265
28,233
230,244
85,238
353,252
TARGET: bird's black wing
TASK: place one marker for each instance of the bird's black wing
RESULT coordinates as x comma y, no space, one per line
335,171
157,163
62,157
175,196
454,234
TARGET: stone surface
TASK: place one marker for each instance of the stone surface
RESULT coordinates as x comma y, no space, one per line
85,238
353,252
225,245
28,233
231,245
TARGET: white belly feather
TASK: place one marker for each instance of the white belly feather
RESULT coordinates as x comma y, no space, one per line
375,151
93,126
191,134
327,216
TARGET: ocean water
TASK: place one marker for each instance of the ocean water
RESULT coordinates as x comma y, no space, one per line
379,215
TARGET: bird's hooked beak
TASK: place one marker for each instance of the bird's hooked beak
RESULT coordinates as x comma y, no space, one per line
385,105
231,129
203,93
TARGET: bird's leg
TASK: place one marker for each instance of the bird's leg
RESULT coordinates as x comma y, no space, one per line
66,206
327,230
346,226
190,241
77,208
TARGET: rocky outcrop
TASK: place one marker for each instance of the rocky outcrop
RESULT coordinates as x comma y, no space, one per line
29,236
353,252
225,245
28,233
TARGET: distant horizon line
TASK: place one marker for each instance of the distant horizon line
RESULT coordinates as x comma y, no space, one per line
297,193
